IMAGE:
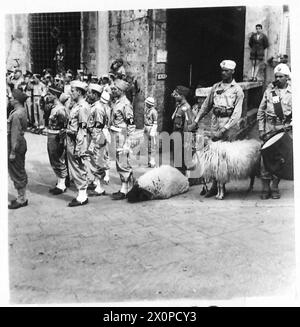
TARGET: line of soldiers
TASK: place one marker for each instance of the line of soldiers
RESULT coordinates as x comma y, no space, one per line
84,118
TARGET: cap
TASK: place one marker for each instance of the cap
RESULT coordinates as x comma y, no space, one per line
283,69
79,85
64,97
182,90
105,76
121,84
150,101
55,91
228,64
105,97
19,95
96,87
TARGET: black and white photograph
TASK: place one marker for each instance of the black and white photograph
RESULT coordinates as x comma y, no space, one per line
150,154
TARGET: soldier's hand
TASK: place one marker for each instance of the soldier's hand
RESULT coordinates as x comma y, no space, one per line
262,135
193,126
12,157
218,135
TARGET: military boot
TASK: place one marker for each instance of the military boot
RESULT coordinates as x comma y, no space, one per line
275,194
266,190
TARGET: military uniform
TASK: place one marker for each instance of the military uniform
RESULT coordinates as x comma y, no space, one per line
56,141
97,145
150,128
226,101
182,117
268,121
77,143
121,127
16,143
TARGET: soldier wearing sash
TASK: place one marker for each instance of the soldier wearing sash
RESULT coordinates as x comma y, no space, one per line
274,114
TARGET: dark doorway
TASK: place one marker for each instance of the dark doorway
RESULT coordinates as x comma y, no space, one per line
198,39
43,31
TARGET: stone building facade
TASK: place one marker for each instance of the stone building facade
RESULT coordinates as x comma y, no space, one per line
162,48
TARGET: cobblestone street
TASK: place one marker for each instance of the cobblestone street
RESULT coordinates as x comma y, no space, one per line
186,247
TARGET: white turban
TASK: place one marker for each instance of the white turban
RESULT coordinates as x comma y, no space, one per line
80,85
96,87
283,69
228,64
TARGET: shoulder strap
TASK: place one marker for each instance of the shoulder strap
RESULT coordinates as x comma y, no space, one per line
277,105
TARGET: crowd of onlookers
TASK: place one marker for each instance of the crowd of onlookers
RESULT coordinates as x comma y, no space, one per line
35,86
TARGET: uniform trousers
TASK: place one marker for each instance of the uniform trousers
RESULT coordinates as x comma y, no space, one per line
16,168
56,152
77,165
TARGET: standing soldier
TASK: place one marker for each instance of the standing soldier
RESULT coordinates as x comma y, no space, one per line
17,147
182,118
29,102
150,129
77,142
98,139
122,127
56,138
39,91
225,100
274,113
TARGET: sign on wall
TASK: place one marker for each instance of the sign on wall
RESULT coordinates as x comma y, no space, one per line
161,76
161,56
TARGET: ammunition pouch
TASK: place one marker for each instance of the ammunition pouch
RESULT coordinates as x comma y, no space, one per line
222,111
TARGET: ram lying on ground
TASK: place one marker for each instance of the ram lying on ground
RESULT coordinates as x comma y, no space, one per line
158,183
225,161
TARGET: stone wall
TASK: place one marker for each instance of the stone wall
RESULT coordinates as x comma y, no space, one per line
17,41
89,32
158,25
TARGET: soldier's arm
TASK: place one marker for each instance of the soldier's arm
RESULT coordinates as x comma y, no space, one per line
83,116
206,106
16,129
261,113
237,112
128,117
100,118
